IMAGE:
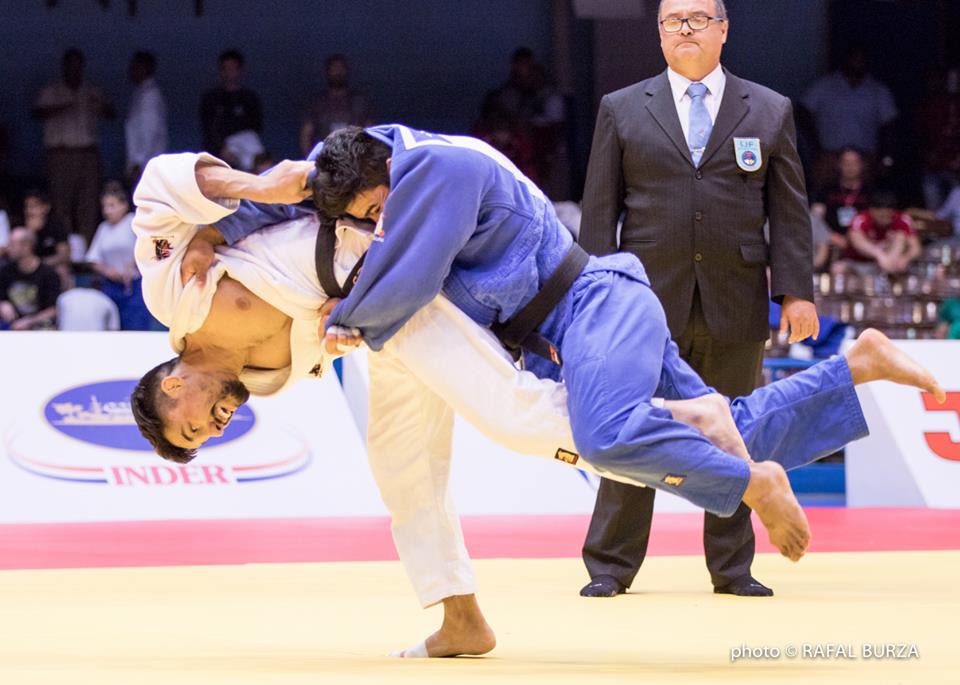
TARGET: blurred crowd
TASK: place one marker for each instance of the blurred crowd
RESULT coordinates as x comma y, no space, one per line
66,250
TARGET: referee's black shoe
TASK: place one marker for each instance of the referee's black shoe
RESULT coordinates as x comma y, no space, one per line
603,586
744,586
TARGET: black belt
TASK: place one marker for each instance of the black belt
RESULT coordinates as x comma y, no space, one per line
520,332
323,258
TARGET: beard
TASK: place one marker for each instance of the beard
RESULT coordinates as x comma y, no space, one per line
234,390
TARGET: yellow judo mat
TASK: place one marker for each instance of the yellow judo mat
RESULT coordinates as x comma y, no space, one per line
336,622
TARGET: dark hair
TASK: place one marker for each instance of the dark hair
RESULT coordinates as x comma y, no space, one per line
884,197
351,162
146,60
336,57
115,189
37,194
144,403
73,53
231,54
522,54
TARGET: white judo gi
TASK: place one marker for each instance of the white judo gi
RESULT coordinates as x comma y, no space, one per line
439,363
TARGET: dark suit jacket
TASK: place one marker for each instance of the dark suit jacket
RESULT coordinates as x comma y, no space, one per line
703,226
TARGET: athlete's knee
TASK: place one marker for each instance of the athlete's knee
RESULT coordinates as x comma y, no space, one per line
595,444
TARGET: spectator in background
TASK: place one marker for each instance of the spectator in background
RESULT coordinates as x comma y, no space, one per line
4,232
882,235
496,128
337,107
50,235
263,161
517,97
823,243
70,110
231,113
949,327
112,256
146,125
86,308
845,197
28,287
938,128
849,108
950,211
527,113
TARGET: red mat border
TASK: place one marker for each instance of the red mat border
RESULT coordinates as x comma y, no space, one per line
205,542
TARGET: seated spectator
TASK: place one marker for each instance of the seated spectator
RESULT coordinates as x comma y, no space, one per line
882,235
336,107
111,255
86,309
822,242
51,241
950,211
28,287
847,196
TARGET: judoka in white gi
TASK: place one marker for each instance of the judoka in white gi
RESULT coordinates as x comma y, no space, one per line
267,283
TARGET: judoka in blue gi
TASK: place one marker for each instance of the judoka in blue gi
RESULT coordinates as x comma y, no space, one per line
438,361
455,216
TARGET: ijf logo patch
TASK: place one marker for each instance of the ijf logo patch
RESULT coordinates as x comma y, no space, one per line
162,247
747,151
673,479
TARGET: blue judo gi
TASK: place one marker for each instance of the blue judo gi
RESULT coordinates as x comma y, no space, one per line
461,219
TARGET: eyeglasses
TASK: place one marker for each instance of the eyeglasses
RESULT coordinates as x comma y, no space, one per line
698,22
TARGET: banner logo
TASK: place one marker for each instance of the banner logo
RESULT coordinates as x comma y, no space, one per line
941,443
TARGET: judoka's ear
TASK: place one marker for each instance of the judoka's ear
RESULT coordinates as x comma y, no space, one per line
171,386
389,159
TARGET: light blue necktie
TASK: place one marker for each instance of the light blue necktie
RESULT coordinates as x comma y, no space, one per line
700,123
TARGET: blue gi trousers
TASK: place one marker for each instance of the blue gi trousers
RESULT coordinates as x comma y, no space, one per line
618,355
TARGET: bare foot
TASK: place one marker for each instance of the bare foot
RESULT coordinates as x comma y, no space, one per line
874,358
710,414
769,494
464,632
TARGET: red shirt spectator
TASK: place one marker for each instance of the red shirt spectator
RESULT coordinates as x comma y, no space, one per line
884,235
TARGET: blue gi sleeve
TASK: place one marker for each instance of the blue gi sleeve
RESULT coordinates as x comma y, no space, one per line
430,214
252,216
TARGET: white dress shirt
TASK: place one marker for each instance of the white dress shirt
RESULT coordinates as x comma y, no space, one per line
715,82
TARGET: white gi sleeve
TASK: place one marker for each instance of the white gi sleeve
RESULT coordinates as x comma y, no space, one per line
170,208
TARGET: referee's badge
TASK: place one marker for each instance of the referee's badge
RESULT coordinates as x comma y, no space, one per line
748,153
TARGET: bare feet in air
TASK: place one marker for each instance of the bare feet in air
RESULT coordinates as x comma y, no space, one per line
464,632
770,495
874,358
710,414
